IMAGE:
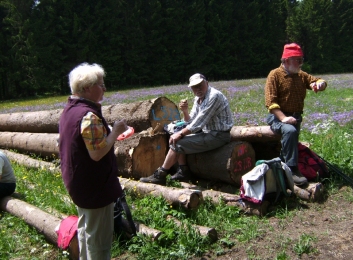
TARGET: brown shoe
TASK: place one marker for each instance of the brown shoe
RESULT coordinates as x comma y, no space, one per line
158,177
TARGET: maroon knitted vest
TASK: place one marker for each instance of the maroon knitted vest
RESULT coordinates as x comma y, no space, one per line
91,184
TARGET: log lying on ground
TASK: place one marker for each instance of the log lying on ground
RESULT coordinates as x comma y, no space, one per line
228,199
45,223
313,192
144,114
227,163
30,162
140,155
42,144
211,233
141,115
148,231
253,134
186,198
35,122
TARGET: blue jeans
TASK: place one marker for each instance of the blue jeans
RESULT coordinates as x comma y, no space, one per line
289,139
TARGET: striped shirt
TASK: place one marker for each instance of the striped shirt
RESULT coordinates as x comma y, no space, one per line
213,114
93,132
287,91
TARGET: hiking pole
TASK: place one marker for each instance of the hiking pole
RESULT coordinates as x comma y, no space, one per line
338,171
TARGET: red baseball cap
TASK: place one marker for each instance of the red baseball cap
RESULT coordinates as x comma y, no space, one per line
292,50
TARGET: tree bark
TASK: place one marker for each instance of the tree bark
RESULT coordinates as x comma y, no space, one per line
44,223
253,134
140,155
46,121
227,163
151,232
314,192
144,114
186,198
140,115
41,144
30,162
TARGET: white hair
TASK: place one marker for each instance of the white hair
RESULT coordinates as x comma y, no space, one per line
85,75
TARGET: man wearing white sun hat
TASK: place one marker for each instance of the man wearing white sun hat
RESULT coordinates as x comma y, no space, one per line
208,127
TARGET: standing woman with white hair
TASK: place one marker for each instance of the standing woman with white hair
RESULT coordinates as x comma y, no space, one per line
88,163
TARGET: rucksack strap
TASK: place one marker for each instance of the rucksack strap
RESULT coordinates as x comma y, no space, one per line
276,167
121,205
281,185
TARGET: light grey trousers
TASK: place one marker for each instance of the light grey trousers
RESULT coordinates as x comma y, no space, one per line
95,232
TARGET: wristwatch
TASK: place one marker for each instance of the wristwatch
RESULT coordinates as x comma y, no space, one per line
181,134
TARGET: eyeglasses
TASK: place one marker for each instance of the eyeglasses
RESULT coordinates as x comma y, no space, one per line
298,60
101,85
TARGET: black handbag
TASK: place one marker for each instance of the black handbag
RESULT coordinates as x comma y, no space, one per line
123,223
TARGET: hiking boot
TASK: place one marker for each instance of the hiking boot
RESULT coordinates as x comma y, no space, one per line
158,177
298,178
183,174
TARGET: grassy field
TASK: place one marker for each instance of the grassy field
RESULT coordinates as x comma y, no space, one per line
327,126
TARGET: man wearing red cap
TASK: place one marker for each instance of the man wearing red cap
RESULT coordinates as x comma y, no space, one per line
285,92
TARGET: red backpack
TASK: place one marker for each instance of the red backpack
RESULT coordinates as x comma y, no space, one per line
310,165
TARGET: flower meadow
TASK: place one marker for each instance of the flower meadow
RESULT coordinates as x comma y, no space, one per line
246,98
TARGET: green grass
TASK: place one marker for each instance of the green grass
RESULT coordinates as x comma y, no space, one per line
328,137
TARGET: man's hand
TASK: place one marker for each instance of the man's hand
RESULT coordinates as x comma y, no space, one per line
184,105
319,85
289,120
174,138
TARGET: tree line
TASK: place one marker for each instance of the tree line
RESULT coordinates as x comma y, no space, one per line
161,42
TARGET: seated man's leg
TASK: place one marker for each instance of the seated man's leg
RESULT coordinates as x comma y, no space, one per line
196,143
289,139
159,176
289,142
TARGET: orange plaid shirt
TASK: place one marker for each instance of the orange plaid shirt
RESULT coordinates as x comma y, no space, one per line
93,132
287,91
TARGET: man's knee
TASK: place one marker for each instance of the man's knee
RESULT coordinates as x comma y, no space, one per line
288,129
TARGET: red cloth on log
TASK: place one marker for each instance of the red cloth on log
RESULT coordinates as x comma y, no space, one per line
67,230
